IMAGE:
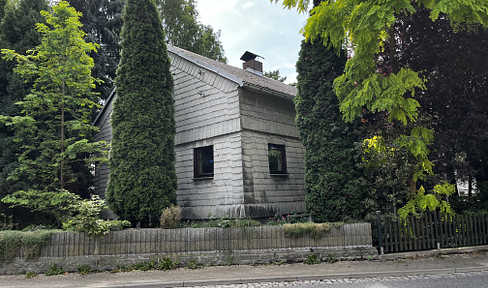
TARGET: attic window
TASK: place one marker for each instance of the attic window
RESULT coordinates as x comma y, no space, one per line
277,159
203,162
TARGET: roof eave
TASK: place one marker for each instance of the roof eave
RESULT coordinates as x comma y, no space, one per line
261,89
107,101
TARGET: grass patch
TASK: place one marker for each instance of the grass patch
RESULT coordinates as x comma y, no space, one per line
316,230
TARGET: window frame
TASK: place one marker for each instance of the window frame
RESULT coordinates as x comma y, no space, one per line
198,173
282,150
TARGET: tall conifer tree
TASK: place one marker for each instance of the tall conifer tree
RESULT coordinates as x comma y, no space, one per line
102,22
332,180
142,173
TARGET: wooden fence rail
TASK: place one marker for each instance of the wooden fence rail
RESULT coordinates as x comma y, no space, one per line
432,231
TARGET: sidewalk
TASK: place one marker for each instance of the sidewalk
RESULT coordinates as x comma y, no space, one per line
407,264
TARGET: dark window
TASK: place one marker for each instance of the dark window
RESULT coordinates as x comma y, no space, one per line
203,162
277,159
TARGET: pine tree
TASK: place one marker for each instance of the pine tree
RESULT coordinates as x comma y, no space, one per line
332,180
142,174
102,22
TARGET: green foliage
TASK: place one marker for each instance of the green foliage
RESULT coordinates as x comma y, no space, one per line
332,180
102,23
193,265
367,29
75,214
229,261
387,169
85,269
164,264
85,218
3,3
453,60
17,31
312,259
144,266
57,203
182,29
421,202
293,217
142,179
30,275
167,264
54,270
275,75
315,230
225,222
32,242
55,122
330,259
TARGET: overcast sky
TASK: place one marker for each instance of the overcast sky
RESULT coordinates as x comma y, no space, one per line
257,26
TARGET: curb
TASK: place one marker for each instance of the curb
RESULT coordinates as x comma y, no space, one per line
431,253
192,283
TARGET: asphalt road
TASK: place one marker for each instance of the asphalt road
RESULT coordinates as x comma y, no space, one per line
457,280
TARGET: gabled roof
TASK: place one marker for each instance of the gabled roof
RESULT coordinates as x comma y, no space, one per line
242,77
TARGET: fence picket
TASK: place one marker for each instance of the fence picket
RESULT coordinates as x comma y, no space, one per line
450,231
485,229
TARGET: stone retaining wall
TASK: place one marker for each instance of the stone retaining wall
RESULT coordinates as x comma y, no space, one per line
210,246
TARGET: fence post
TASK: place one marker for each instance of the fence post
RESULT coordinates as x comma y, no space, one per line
437,226
380,236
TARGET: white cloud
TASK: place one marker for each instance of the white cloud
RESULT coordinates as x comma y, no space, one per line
248,5
257,26
209,9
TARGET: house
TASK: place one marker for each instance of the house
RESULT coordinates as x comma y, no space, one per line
238,152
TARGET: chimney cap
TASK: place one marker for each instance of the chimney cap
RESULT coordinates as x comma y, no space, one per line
247,56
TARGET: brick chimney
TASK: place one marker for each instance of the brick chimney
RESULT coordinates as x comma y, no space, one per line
251,64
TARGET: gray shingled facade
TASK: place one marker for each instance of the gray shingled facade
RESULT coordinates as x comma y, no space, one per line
238,113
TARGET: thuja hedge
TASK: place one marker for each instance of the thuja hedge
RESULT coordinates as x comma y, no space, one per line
332,181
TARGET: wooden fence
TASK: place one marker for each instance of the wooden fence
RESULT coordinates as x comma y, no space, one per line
263,244
432,231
